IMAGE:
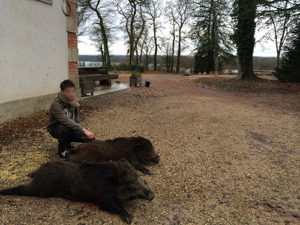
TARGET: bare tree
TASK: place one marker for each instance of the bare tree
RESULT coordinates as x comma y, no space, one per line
281,16
141,28
96,37
146,48
100,12
173,33
166,46
180,12
171,19
134,23
153,8
280,26
83,15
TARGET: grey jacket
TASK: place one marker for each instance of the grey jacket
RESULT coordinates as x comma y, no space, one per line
66,114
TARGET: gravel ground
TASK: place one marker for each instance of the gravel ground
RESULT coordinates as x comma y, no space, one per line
225,158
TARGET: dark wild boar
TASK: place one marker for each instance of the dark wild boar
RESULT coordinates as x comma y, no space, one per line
103,184
137,150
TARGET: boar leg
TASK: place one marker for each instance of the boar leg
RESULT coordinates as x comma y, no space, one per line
113,205
144,170
134,161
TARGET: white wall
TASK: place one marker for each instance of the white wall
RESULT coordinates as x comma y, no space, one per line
33,48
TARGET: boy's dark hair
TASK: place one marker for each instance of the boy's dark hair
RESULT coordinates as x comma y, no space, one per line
66,84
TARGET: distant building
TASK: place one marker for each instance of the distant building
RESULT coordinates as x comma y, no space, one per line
38,49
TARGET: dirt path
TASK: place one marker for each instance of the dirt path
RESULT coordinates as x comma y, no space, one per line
225,159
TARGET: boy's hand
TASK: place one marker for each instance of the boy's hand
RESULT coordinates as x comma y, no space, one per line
89,134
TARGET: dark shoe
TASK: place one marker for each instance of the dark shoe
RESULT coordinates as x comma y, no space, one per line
63,155
70,149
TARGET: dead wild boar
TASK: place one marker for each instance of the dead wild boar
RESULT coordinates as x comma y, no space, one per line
104,184
137,150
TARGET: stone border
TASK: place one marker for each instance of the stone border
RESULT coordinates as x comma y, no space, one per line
24,107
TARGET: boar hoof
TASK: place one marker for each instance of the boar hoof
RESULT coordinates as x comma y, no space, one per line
148,172
126,218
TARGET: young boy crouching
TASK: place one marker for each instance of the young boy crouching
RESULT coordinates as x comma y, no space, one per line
64,120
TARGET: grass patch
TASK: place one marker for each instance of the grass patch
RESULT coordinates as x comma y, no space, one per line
252,86
137,95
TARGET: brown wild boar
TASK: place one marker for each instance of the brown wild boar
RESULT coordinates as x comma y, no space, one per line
137,150
104,184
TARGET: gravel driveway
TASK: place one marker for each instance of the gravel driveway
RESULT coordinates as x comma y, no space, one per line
225,159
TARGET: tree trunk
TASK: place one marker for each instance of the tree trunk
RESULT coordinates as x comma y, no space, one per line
245,37
141,54
246,68
278,59
172,54
102,55
215,38
168,59
137,57
138,39
173,47
131,37
155,51
103,35
105,44
147,61
210,32
179,51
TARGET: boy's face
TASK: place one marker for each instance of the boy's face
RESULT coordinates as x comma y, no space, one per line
69,93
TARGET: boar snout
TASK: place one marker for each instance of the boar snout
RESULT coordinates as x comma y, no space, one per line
155,160
146,193
149,195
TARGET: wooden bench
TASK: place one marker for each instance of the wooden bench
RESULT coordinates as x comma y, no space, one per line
88,76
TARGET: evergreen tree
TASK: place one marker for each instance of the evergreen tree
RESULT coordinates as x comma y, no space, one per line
290,65
203,59
211,34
